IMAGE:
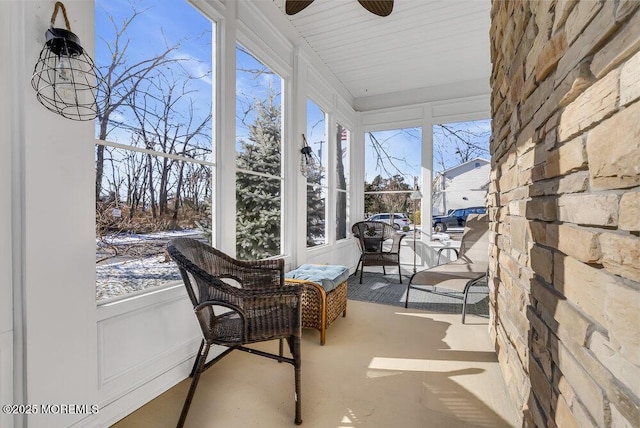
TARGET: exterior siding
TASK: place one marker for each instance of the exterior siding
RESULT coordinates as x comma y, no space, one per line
465,186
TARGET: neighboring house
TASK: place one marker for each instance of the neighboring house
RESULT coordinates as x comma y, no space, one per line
462,186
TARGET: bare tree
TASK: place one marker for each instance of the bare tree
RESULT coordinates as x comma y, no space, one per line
148,96
396,202
121,79
387,163
453,146
166,123
341,197
389,194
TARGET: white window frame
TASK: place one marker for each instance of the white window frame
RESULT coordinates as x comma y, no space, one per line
216,32
257,52
325,188
336,189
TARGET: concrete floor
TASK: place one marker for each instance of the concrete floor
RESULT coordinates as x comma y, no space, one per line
382,366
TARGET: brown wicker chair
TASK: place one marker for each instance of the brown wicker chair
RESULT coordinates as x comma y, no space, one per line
238,303
372,236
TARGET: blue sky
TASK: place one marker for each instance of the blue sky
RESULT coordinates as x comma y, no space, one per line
159,25
404,151
251,86
403,146
476,132
316,134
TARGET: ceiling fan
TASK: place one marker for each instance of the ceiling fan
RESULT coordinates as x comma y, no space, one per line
378,7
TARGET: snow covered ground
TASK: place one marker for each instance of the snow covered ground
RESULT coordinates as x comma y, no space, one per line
135,262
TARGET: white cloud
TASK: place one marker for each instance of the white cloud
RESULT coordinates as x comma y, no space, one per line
196,67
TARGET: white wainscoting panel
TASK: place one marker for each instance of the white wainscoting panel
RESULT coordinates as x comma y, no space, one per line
141,344
6,376
146,345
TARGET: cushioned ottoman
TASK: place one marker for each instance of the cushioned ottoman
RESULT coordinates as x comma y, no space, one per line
324,296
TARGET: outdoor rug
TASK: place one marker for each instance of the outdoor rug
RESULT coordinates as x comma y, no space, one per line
386,290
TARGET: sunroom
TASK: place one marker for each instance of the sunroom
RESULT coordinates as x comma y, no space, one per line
207,139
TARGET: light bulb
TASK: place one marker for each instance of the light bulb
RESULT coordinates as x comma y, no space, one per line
64,80
64,68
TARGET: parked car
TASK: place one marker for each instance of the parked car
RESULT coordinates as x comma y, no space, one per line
399,220
456,218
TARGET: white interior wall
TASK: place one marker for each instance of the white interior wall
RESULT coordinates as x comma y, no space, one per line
123,354
54,245
9,131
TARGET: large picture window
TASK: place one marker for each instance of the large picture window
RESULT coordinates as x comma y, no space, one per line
259,179
343,139
461,170
317,179
392,170
154,163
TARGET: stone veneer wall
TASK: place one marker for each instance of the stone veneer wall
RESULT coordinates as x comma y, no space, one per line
565,209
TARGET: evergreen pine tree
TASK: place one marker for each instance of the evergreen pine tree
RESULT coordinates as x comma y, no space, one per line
315,207
259,199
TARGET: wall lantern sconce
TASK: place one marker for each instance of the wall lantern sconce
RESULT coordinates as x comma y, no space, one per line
65,78
307,161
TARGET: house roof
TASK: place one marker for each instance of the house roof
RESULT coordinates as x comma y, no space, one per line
446,171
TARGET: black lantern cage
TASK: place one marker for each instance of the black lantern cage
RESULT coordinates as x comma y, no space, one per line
309,161
65,78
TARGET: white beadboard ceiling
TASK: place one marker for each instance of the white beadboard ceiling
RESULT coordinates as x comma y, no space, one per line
422,44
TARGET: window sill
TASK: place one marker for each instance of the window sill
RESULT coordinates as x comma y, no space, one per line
144,298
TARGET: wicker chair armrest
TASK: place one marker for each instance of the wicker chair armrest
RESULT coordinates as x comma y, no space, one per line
276,308
204,316
209,303
285,291
239,296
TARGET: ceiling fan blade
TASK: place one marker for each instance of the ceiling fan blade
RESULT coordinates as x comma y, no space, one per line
379,7
291,7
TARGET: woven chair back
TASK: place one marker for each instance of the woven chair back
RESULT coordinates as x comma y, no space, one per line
210,274
371,234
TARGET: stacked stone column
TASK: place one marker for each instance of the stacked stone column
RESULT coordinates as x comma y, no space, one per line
564,202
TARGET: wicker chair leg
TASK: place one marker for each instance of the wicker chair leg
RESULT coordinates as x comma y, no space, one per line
201,358
297,363
361,271
195,363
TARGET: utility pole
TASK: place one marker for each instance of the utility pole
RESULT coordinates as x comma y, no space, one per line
321,142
